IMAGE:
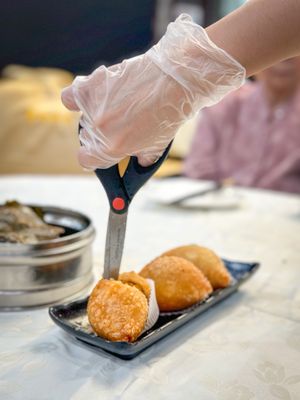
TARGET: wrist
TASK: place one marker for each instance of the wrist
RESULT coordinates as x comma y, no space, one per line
187,54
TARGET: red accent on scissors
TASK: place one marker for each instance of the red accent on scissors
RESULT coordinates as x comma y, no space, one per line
118,203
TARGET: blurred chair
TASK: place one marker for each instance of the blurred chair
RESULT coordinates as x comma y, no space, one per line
37,134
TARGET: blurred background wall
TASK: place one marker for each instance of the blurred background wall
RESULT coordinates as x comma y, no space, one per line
78,35
73,34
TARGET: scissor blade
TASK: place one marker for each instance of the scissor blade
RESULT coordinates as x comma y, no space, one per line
115,236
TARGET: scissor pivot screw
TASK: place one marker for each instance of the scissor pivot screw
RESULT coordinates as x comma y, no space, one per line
118,204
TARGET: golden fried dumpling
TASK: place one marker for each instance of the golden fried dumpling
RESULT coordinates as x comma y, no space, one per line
178,283
134,279
207,261
117,311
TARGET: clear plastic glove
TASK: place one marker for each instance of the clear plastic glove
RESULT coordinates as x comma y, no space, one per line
136,107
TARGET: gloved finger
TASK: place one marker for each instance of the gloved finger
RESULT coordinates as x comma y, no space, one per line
92,162
96,144
145,159
93,153
85,157
85,92
68,99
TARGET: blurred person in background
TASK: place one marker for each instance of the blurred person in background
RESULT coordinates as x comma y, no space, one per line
253,135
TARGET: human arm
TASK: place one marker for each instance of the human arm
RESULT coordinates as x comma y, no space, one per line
260,33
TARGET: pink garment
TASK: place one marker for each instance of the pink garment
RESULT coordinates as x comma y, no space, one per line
243,138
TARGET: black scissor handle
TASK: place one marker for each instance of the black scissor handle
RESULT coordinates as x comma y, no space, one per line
121,190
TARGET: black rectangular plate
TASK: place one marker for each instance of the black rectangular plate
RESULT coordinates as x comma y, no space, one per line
68,317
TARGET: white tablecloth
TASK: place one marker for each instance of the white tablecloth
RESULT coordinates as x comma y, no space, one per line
246,348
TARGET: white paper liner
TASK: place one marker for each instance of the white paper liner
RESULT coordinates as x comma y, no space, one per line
153,312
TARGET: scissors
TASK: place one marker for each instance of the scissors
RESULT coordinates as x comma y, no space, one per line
120,191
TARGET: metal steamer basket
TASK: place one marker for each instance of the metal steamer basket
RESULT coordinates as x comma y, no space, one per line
49,271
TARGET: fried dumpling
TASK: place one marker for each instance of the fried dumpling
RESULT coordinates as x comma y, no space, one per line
178,283
207,261
134,279
117,311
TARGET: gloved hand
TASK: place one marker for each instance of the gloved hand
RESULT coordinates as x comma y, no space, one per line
136,107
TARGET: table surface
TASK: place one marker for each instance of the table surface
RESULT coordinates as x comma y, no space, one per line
246,348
